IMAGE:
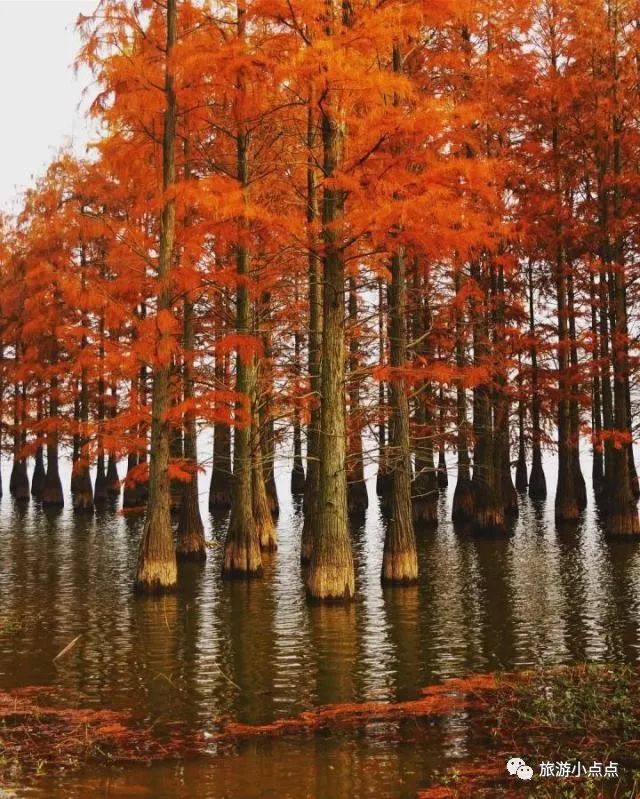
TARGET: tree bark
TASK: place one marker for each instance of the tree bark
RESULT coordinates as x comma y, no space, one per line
383,478
297,471
400,559
331,571
425,483
52,495
312,483
190,544
357,497
537,480
156,569
489,510
242,556
462,509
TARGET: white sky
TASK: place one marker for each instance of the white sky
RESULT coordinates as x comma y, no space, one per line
39,93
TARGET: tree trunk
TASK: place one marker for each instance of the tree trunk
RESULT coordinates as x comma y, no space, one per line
489,510
501,401
537,480
581,486
521,465
221,471
156,569
425,483
19,480
242,556
82,496
113,478
357,497
597,471
267,424
400,559
622,512
190,543
129,493
331,571
462,509
39,474
383,479
100,491
443,478
52,495
297,472
566,505
312,483
262,513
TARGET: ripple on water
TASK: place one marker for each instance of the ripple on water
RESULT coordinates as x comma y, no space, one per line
257,651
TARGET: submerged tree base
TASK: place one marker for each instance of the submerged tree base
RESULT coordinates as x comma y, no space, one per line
268,536
489,515
241,561
19,482
156,576
463,501
622,520
191,547
537,482
331,582
357,497
83,501
399,568
424,511
52,495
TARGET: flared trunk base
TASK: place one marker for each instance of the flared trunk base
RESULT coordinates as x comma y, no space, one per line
567,509
399,568
37,480
424,512
83,501
241,561
581,490
490,521
191,547
622,520
521,475
100,494
156,576
135,497
52,495
267,535
537,482
510,496
331,582
113,480
463,502
19,482
190,544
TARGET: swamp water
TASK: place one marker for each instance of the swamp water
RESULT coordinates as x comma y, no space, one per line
256,652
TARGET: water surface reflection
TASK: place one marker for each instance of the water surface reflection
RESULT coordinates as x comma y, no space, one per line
256,651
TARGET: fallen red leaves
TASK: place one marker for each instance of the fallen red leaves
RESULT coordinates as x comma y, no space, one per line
42,727
567,711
